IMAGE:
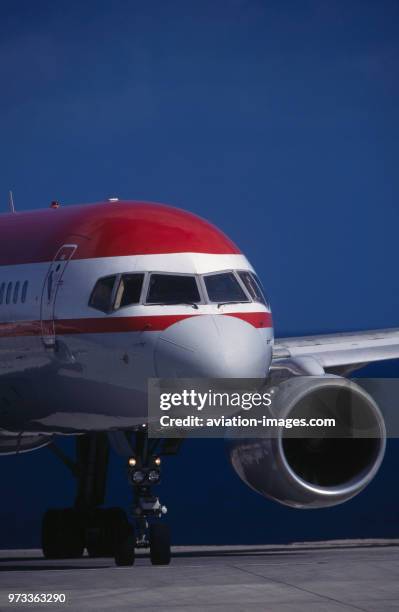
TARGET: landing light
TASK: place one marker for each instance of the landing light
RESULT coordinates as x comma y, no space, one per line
157,461
132,462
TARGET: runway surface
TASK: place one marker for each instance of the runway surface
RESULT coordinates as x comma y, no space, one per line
312,577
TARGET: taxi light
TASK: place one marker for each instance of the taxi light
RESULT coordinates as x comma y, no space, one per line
157,461
132,462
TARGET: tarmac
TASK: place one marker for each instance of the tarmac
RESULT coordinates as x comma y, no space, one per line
333,576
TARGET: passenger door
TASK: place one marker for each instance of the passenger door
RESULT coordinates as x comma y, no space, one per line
49,294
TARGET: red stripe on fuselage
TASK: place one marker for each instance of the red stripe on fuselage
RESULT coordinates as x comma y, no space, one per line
20,328
117,324
257,319
101,325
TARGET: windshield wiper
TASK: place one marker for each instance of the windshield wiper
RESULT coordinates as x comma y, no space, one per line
192,304
236,302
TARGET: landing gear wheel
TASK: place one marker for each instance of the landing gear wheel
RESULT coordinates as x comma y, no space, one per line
124,547
62,534
159,536
105,525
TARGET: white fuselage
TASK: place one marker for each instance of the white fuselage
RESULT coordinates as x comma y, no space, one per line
66,367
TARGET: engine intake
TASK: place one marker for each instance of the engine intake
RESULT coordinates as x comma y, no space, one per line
322,471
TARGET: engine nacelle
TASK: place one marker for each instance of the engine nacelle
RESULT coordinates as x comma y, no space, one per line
315,472
12,443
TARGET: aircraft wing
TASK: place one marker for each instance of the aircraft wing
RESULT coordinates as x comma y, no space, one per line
342,350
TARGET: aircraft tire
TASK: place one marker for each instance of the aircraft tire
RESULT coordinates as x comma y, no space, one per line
62,534
105,525
125,547
159,536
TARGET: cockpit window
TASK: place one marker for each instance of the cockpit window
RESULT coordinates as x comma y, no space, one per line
129,290
101,297
224,288
253,287
173,289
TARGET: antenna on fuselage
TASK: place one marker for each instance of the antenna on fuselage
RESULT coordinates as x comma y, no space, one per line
11,202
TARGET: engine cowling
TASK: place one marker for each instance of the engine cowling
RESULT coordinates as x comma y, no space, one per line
315,472
12,444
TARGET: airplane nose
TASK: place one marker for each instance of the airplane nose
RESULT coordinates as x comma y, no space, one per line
209,346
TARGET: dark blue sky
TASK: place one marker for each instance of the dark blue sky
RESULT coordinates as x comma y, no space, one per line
278,121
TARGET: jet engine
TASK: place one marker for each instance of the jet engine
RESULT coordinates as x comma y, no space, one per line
324,468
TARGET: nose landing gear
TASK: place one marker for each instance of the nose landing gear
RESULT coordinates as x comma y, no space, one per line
144,471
